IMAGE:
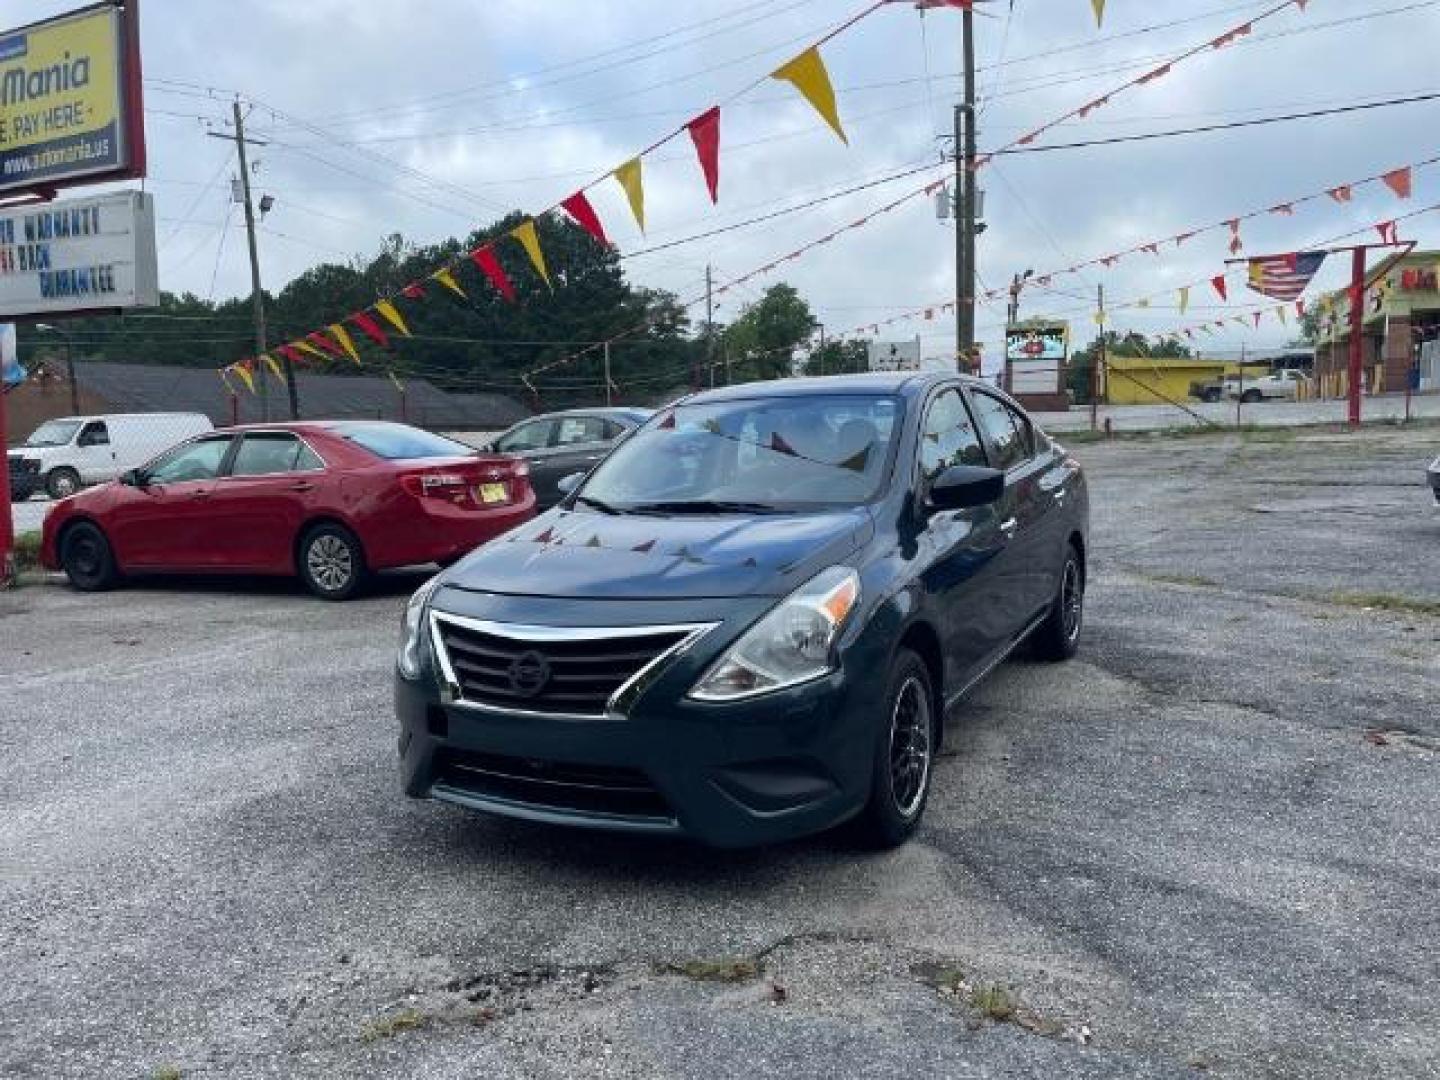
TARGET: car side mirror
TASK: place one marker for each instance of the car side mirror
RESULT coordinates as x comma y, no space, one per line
962,487
568,484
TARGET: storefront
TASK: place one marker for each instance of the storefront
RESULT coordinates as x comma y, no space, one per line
1400,332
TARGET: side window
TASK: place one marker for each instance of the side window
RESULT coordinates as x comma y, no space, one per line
193,461
612,430
1007,430
948,437
533,436
95,434
266,453
575,430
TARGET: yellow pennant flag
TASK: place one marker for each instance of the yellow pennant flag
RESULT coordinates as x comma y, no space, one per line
808,75
1099,318
530,240
631,179
274,368
1184,299
446,278
1099,6
308,349
244,376
392,316
398,384
342,337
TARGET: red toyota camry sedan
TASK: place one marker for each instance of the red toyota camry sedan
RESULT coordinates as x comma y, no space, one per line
327,500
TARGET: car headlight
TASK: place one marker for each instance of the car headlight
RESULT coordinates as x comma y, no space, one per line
790,645
412,630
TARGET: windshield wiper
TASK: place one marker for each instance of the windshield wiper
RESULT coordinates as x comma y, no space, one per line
703,506
598,504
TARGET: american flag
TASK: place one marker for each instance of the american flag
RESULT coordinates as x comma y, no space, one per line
1284,277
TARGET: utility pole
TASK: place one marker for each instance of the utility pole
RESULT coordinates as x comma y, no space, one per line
1097,360
608,383
965,192
710,327
261,343
821,353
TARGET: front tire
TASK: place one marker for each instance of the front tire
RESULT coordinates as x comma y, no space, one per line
63,482
331,562
904,756
87,559
1058,637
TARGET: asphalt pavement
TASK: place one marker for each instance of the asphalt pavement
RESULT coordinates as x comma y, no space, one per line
1209,846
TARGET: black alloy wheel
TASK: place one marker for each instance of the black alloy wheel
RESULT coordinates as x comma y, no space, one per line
87,559
1058,637
904,756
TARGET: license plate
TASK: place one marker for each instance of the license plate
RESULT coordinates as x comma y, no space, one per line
492,493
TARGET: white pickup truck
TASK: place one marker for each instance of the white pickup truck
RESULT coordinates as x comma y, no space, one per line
1278,384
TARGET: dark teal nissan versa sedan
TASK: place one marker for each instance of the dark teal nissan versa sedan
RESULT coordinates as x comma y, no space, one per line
747,622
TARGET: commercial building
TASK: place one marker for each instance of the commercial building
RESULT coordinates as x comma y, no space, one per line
1143,380
1400,340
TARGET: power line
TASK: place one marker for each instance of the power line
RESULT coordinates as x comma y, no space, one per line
1311,114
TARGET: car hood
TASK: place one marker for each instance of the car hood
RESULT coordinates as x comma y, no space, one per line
582,555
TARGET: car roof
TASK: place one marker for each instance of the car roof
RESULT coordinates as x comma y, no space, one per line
905,383
625,412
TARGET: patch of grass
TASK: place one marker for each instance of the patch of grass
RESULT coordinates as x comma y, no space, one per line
993,1002
724,971
1193,580
27,551
946,978
1409,605
387,1027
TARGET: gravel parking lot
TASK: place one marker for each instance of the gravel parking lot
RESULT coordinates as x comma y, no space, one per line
1208,846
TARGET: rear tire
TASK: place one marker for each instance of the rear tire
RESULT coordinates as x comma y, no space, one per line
1252,396
62,482
331,562
904,756
86,558
1058,637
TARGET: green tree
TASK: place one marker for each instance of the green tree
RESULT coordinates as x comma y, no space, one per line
1079,375
838,358
763,340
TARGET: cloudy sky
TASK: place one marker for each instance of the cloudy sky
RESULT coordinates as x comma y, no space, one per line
430,119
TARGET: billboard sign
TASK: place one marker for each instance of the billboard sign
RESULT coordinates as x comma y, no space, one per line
1035,356
78,256
70,102
895,355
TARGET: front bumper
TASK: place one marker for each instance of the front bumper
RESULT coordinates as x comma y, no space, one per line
774,767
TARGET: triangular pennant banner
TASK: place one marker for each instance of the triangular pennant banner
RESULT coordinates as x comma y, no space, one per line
309,350
1398,181
291,353
243,374
808,75
632,178
274,368
578,207
371,329
485,260
1099,6
342,337
413,292
1388,232
530,241
319,340
1340,194
705,134
392,316
1219,282
1151,76
1184,299
447,278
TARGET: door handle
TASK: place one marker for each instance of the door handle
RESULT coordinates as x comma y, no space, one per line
302,485
199,494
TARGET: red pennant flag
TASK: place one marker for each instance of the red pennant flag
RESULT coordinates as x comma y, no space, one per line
1257,319
371,328
1235,245
1388,232
413,292
1182,238
1109,260
1219,282
1151,76
490,266
578,207
1153,249
1398,181
1086,110
317,338
1340,194
1300,308
1026,140
294,355
705,134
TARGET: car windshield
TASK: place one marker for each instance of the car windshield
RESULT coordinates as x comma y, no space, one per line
397,442
751,456
53,433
